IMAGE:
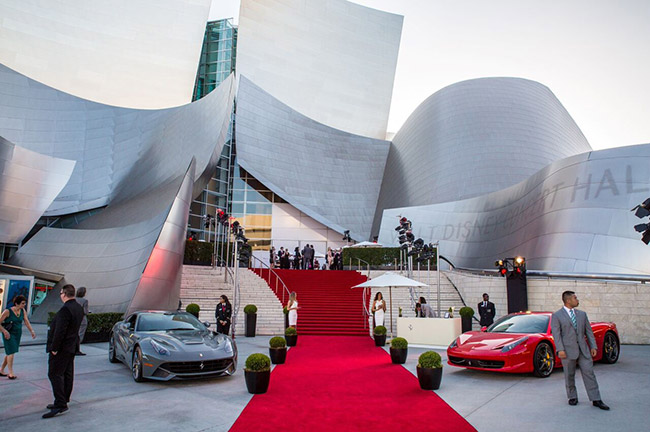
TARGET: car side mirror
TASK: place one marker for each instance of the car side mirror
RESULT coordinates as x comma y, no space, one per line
484,329
207,324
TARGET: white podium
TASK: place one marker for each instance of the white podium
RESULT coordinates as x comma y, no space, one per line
429,331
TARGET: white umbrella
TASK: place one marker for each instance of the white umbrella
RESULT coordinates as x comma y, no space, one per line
366,244
390,280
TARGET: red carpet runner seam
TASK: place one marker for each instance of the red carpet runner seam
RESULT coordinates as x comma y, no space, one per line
342,383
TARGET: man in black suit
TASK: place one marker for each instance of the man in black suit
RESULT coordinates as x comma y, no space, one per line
61,345
486,311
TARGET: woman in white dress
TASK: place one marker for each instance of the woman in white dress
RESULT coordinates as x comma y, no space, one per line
292,307
378,309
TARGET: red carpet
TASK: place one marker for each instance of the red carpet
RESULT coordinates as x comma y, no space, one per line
345,384
327,304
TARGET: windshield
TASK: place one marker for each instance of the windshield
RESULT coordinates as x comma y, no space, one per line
520,324
168,321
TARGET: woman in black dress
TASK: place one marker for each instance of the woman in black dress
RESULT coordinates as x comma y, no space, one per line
223,314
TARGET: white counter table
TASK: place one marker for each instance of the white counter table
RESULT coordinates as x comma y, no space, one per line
429,331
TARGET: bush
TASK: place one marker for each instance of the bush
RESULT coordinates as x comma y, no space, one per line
285,310
97,322
277,342
379,330
466,311
194,309
399,343
290,331
258,363
430,360
250,309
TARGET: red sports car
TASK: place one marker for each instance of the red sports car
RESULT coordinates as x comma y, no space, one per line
522,343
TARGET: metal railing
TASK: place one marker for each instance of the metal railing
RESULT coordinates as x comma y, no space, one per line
277,278
359,261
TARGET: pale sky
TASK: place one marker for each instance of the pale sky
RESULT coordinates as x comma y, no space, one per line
593,54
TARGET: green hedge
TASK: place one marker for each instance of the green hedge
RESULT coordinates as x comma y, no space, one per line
200,253
290,331
379,330
377,257
399,343
97,322
277,342
193,308
430,360
466,311
250,309
258,362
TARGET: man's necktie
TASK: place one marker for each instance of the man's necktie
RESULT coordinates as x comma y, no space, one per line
573,320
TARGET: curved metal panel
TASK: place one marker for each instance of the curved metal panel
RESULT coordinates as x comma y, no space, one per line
332,60
107,52
330,175
29,182
572,216
476,137
120,152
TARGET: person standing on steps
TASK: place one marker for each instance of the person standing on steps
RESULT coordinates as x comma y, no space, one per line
292,307
12,320
378,309
576,345
486,311
223,314
81,293
62,342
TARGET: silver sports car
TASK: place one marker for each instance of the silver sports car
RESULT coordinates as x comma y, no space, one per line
165,345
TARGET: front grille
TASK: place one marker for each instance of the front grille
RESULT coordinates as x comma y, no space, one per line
486,364
197,367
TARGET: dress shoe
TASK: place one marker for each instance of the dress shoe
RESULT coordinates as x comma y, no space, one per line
573,401
55,412
79,353
600,404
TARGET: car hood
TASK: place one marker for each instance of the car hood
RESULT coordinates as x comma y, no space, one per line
471,341
189,340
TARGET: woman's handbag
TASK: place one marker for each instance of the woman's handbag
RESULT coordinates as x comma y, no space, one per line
8,325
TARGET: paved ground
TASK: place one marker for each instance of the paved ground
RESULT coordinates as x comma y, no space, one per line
105,397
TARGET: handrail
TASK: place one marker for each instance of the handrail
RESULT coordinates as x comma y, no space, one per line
277,277
570,275
359,261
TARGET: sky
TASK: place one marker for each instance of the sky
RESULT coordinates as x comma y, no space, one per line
593,54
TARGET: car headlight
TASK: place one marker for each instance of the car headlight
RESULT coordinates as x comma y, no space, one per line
512,345
159,348
228,347
454,344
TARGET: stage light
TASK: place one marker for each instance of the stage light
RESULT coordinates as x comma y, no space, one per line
498,263
642,210
503,271
641,227
346,236
519,261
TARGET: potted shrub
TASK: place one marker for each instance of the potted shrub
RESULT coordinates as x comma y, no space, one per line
194,309
251,319
291,335
286,317
429,370
257,373
379,333
399,349
466,315
278,350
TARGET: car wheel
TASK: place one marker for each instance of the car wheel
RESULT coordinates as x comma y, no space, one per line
136,369
111,350
543,360
611,348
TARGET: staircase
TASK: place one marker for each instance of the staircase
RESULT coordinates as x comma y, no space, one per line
328,305
204,286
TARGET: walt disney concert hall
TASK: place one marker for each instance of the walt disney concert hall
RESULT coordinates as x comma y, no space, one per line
112,150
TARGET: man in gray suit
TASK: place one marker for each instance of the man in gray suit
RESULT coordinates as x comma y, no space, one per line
571,329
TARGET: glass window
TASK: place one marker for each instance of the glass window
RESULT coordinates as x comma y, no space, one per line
520,324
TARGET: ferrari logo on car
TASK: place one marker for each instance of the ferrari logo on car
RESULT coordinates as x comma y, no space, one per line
201,366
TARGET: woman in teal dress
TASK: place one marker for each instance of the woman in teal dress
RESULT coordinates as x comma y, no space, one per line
16,316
